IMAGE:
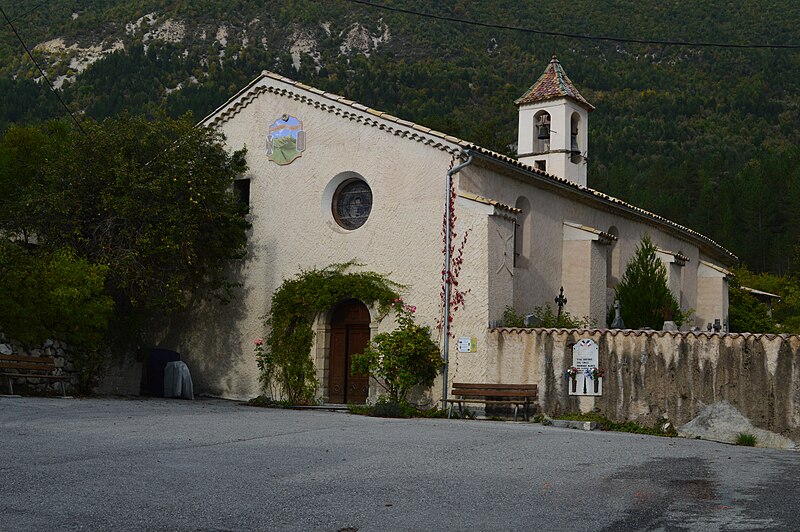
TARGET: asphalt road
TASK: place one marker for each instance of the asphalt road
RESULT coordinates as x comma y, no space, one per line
152,464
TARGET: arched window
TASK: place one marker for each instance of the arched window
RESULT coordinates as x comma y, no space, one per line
574,145
541,132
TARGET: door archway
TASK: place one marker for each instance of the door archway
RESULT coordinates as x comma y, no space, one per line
349,335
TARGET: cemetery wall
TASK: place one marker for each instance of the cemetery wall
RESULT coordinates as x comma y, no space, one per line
654,374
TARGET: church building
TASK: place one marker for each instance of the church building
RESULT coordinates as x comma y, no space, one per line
331,180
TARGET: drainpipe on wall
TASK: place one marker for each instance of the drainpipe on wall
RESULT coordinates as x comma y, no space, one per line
447,239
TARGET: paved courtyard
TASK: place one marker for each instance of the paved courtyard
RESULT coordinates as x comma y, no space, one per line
153,464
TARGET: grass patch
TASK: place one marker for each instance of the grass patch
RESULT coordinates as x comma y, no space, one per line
746,439
391,409
603,423
266,402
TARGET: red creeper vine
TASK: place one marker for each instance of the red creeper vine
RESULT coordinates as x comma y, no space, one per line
457,295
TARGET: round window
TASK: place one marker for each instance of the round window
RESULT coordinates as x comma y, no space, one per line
352,203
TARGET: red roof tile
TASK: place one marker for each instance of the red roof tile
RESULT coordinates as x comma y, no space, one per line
553,83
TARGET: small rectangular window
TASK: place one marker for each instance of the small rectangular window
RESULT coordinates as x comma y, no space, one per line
540,165
241,187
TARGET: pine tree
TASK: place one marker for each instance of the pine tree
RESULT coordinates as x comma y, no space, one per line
643,293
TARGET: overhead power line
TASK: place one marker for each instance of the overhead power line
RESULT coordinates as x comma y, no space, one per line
572,35
52,88
26,13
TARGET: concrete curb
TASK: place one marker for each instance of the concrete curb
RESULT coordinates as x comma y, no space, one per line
567,424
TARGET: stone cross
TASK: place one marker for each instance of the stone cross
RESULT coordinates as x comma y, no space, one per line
561,301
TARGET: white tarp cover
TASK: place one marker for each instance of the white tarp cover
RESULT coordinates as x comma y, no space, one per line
178,381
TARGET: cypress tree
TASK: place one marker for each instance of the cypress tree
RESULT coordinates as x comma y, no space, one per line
643,292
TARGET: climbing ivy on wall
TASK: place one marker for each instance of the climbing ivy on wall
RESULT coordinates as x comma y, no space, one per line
294,306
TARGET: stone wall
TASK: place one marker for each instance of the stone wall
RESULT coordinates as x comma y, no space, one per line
655,374
51,348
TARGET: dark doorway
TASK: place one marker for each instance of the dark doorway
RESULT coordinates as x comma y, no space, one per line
349,336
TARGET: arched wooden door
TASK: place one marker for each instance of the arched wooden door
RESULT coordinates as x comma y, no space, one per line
349,336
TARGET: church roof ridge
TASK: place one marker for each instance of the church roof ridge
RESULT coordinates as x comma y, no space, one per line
436,139
553,83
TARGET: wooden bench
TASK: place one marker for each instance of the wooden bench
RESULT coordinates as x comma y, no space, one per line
24,367
519,395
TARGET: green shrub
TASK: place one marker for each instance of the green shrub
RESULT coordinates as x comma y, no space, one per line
403,358
385,407
547,318
746,313
659,428
746,439
269,402
643,292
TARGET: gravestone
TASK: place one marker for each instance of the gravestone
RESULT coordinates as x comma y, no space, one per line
617,323
586,361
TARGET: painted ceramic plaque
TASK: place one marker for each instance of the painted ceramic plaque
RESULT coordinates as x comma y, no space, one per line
286,140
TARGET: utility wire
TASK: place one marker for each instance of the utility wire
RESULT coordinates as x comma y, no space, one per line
28,12
52,88
572,35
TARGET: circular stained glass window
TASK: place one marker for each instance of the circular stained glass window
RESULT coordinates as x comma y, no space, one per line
352,203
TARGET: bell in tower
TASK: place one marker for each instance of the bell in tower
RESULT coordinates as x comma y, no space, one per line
544,132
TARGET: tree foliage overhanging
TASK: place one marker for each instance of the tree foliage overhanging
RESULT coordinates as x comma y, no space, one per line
135,215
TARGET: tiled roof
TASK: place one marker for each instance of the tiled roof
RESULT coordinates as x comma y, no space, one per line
350,110
760,293
565,183
540,331
553,83
717,267
608,237
488,201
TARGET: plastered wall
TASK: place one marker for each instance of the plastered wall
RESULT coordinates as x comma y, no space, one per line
655,374
540,275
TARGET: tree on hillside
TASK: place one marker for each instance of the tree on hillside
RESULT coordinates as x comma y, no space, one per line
145,204
643,292
746,313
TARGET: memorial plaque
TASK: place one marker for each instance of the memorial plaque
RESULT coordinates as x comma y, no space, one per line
586,359
585,355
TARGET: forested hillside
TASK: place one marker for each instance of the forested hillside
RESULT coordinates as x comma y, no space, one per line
707,136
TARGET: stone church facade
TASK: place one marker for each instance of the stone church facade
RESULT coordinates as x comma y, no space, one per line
331,180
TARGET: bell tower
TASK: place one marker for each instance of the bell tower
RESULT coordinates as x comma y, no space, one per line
553,126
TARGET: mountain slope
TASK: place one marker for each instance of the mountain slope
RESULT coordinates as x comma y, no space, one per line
705,136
